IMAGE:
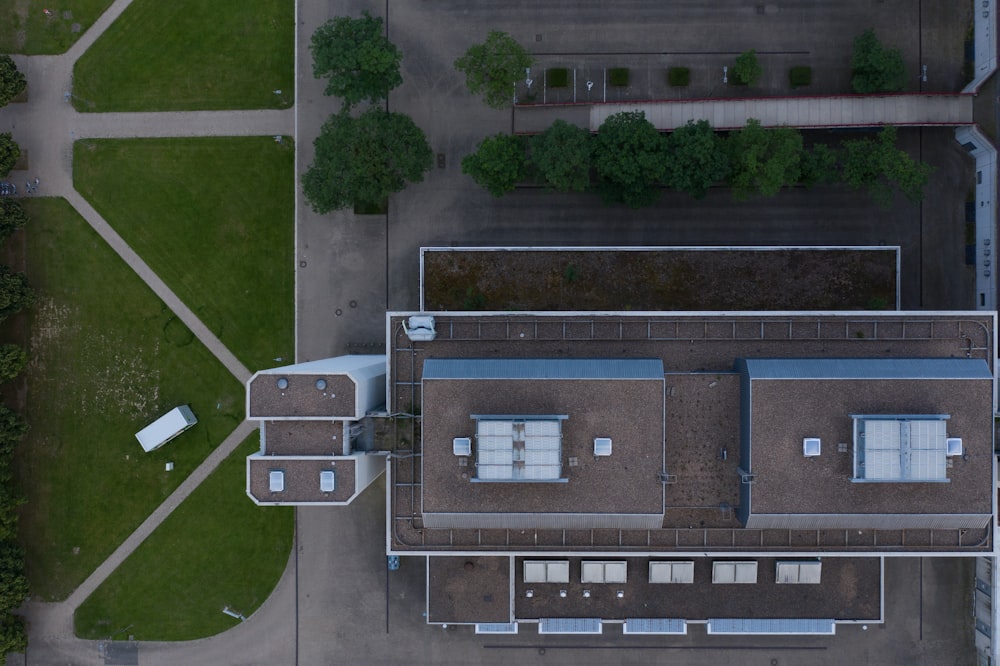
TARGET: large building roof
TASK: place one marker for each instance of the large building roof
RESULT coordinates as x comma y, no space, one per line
701,412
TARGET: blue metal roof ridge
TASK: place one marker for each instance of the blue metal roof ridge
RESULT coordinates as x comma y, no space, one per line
542,368
866,368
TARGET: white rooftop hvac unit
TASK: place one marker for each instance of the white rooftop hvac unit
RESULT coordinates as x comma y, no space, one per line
811,447
953,446
602,446
461,446
276,480
420,328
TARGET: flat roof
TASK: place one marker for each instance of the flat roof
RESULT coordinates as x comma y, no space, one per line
784,412
698,352
460,588
629,411
301,398
303,438
301,479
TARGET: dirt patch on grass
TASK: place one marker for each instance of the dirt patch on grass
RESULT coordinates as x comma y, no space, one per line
671,280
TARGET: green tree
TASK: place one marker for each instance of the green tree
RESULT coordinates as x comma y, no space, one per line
355,57
696,159
13,636
763,160
365,159
875,68
561,157
13,428
12,81
629,159
819,165
15,294
12,217
10,153
879,166
13,358
746,70
493,67
498,164
13,584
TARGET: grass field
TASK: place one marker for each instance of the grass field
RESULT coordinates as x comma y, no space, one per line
214,217
217,549
191,54
26,28
107,357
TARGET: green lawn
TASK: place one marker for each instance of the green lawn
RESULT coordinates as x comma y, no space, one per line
26,28
107,357
217,549
214,217
191,54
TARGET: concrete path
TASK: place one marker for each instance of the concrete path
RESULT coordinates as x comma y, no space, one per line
802,112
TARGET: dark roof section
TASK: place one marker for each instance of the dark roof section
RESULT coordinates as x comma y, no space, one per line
303,438
468,589
301,398
543,368
301,479
786,482
630,412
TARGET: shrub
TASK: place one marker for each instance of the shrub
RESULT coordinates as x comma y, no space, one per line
800,76
746,70
557,77
618,77
678,77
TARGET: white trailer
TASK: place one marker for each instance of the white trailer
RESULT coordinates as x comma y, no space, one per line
165,428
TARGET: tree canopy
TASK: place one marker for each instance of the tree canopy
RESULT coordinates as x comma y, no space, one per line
12,217
877,165
696,159
746,70
875,68
355,57
493,67
13,358
15,294
10,153
763,160
629,159
561,157
498,164
365,159
12,81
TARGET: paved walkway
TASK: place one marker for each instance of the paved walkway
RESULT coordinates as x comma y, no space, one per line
45,127
803,112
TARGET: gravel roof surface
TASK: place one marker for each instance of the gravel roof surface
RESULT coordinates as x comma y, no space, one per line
304,438
301,397
628,411
786,411
301,479
458,592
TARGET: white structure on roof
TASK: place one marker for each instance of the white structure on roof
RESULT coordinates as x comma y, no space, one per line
811,447
734,572
805,571
671,572
518,449
546,571
604,572
900,448
276,480
602,446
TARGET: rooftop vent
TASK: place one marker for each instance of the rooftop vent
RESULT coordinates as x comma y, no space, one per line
321,384
276,480
327,481
282,383
953,446
461,446
420,328
602,446
811,447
